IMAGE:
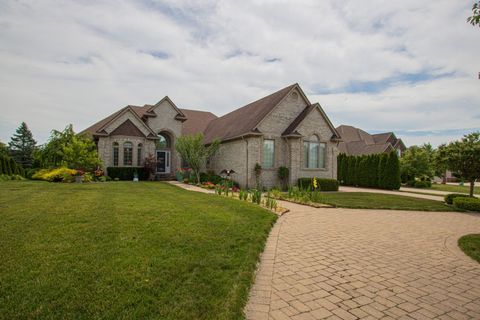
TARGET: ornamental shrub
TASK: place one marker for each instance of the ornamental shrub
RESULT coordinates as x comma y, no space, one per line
450,197
61,174
467,203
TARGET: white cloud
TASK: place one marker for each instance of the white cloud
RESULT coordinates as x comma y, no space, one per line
76,62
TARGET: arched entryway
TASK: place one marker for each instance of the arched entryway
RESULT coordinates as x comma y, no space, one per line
164,152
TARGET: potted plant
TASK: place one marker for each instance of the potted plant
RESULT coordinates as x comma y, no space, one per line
79,176
179,175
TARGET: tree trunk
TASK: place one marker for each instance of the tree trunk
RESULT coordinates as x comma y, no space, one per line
198,176
472,185
444,178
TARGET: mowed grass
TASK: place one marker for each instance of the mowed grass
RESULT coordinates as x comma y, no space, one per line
125,250
366,200
470,244
455,188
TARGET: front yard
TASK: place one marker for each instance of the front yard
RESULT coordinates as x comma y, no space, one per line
455,188
125,250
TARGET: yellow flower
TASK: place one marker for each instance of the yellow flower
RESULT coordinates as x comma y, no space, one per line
315,185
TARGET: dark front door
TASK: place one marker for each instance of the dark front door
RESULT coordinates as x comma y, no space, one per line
161,161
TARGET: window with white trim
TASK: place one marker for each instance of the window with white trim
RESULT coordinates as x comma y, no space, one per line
127,153
314,153
115,154
268,153
139,154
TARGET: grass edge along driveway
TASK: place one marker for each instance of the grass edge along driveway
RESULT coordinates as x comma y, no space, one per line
470,245
125,250
370,200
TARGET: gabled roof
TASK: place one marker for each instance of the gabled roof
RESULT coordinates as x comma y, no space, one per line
382,137
197,121
180,115
127,128
355,141
291,129
138,112
243,121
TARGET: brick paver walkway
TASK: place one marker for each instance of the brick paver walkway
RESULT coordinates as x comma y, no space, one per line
366,264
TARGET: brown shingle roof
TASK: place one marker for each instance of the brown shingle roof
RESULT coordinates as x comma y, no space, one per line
356,142
244,120
197,121
291,129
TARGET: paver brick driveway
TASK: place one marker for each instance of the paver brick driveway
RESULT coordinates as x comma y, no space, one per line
367,264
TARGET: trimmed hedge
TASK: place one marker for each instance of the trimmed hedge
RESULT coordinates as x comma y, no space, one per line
372,171
467,203
9,167
323,184
127,173
450,197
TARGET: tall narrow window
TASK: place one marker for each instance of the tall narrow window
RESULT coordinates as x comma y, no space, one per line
314,153
139,154
268,153
127,153
115,154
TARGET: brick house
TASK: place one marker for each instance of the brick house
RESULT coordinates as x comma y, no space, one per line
281,129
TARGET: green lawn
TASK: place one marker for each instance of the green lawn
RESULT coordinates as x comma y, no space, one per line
470,244
455,188
366,200
124,250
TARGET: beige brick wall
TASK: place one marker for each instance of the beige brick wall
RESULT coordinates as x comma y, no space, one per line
105,149
165,121
316,124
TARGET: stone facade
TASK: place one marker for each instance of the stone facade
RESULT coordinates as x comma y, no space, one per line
241,155
289,121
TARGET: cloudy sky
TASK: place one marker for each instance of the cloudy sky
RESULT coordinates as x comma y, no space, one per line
405,66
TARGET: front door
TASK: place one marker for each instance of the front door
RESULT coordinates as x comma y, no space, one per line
163,161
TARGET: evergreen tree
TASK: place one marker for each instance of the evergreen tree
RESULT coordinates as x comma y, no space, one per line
22,145
375,170
339,167
8,171
351,171
344,168
392,172
1,165
381,170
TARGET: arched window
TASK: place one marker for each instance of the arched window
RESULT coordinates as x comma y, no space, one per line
314,153
127,153
115,154
139,154
163,141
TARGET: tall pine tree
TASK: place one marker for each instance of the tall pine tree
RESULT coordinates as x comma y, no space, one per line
22,145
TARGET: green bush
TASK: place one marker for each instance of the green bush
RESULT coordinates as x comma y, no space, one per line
127,173
467,203
374,171
55,175
323,184
422,184
450,197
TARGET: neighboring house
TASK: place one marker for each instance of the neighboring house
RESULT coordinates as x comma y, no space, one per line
357,142
281,129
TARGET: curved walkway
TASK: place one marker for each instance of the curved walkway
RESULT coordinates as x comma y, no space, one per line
366,264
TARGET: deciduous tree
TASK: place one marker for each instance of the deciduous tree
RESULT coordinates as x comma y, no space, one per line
463,157
193,150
